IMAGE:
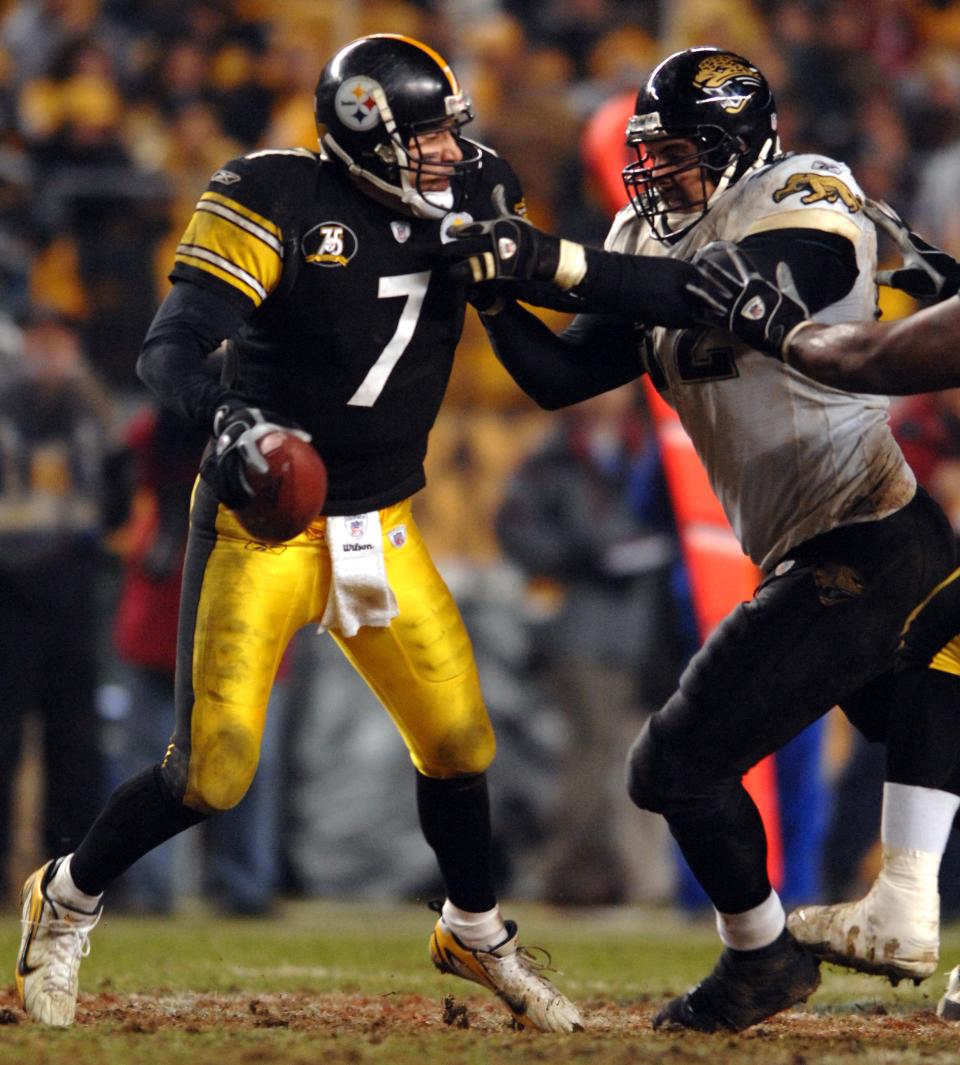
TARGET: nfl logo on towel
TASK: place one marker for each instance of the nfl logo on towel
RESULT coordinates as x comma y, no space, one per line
358,526
398,536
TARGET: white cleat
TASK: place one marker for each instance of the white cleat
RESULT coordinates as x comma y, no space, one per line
54,940
889,932
949,1006
512,974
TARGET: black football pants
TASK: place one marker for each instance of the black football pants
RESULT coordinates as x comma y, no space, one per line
822,630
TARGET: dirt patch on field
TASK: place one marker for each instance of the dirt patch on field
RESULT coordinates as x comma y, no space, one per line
395,1013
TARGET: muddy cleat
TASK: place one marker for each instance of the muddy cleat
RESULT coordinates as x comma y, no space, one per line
54,940
949,1006
745,987
512,974
885,932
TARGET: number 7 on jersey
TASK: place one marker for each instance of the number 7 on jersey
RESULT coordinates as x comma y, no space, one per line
414,288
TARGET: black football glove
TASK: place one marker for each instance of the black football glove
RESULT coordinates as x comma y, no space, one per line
927,273
237,430
728,292
509,248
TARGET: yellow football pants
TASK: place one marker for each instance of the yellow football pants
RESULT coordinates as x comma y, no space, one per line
251,599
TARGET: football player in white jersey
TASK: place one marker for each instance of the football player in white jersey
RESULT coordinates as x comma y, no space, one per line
810,478
887,931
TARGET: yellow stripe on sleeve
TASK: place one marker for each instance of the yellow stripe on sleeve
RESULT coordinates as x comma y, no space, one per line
235,244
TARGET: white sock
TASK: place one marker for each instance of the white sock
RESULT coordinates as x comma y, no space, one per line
62,889
482,931
908,882
916,818
754,928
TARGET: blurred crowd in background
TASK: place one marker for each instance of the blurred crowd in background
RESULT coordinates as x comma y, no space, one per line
113,115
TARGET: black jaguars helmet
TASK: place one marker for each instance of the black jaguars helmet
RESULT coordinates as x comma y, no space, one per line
376,97
720,102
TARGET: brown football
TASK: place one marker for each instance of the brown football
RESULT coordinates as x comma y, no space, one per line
290,494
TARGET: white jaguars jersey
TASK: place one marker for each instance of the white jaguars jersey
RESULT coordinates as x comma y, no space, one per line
787,457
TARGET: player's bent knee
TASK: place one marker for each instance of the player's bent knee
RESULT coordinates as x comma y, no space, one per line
464,752
662,779
642,772
222,770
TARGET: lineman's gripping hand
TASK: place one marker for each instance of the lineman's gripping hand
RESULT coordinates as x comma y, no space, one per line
237,430
508,248
927,272
730,293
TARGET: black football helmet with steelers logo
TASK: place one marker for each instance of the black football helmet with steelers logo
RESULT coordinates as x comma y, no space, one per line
375,98
722,104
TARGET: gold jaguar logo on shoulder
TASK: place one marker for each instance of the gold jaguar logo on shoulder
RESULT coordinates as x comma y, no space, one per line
717,71
818,188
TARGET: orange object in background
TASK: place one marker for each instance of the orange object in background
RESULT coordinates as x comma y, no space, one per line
721,576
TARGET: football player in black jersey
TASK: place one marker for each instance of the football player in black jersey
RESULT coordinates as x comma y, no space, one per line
322,269
920,353
810,477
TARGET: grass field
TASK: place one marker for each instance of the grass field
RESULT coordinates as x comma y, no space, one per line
350,984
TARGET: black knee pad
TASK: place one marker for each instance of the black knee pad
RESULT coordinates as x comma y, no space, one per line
171,776
644,768
661,779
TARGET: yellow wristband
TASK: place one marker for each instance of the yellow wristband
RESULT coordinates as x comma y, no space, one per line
572,266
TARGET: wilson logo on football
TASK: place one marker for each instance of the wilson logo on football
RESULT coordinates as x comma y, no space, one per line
329,244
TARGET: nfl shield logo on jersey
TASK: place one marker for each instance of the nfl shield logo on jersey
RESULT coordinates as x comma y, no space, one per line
401,231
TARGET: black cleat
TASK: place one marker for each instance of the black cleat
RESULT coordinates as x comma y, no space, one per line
746,987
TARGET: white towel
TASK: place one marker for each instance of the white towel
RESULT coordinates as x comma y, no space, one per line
359,591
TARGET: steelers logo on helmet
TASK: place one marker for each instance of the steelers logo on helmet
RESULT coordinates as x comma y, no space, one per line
356,105
376,101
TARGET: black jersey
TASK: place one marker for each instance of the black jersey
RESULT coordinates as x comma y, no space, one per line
351,321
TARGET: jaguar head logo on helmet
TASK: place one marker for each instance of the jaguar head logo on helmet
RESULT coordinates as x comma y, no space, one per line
390,109
703,119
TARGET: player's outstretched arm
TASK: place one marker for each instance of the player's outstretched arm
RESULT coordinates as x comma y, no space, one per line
510,252
920,353
916,354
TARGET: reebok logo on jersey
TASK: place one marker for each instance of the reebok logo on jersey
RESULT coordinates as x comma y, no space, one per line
225,177
329,244
754,309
